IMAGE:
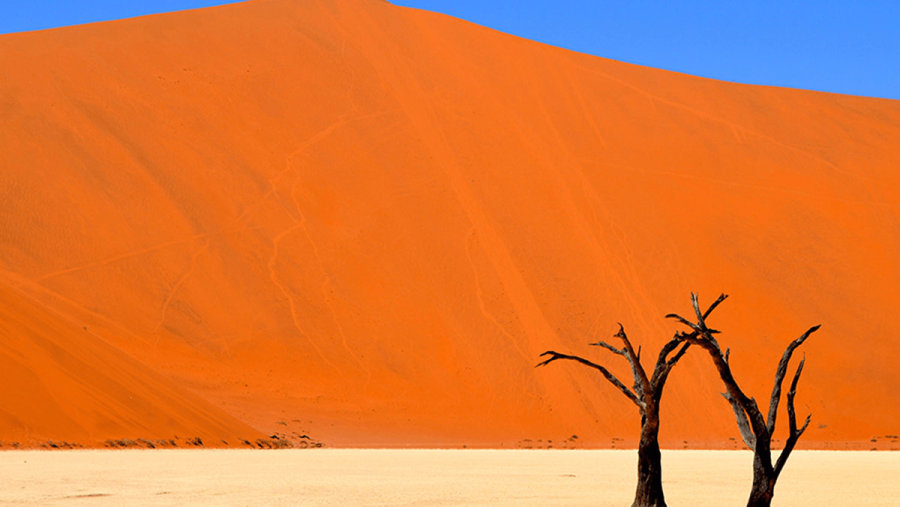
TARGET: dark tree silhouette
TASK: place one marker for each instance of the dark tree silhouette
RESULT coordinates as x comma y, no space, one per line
755,429
646,393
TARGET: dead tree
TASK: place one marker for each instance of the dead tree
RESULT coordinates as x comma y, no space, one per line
755,428
646,393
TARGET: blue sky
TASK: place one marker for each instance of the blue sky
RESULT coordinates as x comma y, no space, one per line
839,46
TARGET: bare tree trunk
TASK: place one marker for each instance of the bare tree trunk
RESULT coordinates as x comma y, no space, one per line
763,485
649,486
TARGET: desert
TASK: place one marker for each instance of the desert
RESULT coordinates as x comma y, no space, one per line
354,227
325,477
311,222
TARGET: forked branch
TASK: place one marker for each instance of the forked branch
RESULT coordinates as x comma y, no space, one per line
641,382
700,327
664,363
795,432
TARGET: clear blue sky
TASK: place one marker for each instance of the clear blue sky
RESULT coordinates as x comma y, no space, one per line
840,46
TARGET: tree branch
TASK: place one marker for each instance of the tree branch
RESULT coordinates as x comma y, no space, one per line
641,382
674,359
660,370
792,417
609,347
792,422
722,297
683,321
734,395
779,377
742,422
609,376
664,364
701,317
695,302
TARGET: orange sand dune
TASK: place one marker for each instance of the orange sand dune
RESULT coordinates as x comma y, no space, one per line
365,222
63,383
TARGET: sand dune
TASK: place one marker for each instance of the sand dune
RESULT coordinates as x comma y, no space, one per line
364,222
64,385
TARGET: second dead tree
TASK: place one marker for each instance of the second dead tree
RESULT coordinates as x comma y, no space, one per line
755,428
646,392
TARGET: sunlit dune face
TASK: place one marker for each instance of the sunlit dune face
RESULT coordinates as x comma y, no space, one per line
363,223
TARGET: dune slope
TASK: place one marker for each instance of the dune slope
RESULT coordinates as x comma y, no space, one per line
365,222
64,386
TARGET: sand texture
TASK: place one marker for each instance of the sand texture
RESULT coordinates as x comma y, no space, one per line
363,223
431,477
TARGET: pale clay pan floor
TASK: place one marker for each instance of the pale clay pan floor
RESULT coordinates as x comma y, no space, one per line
430,477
